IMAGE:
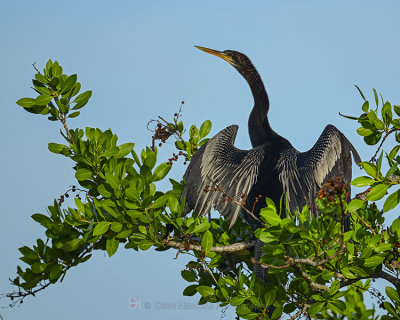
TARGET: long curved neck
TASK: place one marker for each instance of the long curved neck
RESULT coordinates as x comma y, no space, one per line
259,129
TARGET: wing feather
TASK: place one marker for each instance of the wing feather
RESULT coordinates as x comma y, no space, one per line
218,164
303,174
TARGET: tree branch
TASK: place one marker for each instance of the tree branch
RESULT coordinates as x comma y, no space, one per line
313,285
298,313
235,247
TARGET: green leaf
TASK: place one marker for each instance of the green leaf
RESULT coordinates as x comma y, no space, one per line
83,174
354,205
270,296
190,290
205,129
245,312
237,301
161,171
70,245
358,271
62,105
201,227
396,227
56,69
28,252
173,204
43,100
145,244
101,228
393,152
124,150
150,159
49,64
160,201
124,234
116,226
205,291
194,134
392,294
374,138
373,261
45,221
113,181
362,181
346,272
74,114
377,192
348,117
26,102
207,241
55,273
315,308
112,246
82,100
59,148
270,216
38,267
392,201
383,247
364,132
41,78
69,83
335,286
387,113
337,306
369,168
80,205
359,90
397,110
189,276
365,106
379,124
365,253
103,191
376,97
389,307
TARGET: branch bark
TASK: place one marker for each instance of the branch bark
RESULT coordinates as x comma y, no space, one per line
235,247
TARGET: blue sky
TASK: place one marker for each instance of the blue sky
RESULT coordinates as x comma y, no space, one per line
139,60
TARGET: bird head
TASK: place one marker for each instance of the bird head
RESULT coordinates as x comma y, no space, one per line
237,59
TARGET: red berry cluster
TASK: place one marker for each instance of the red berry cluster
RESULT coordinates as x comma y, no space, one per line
334,187
194,266
73,189
175,157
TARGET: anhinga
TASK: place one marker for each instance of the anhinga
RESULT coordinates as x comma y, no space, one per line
272,168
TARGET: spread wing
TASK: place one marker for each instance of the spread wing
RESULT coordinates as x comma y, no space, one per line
219,165
303,174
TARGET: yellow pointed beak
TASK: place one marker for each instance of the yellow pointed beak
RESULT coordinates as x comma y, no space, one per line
216,53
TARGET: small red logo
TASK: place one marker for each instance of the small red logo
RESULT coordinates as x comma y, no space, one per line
134,303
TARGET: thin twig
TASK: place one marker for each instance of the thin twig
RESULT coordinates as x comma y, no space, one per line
205,266
64,122
22,295
230,199
373,159
34,66
364,222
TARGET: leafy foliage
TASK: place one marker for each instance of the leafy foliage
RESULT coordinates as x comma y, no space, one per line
315,267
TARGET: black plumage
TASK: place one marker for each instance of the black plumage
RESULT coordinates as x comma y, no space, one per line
271,168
